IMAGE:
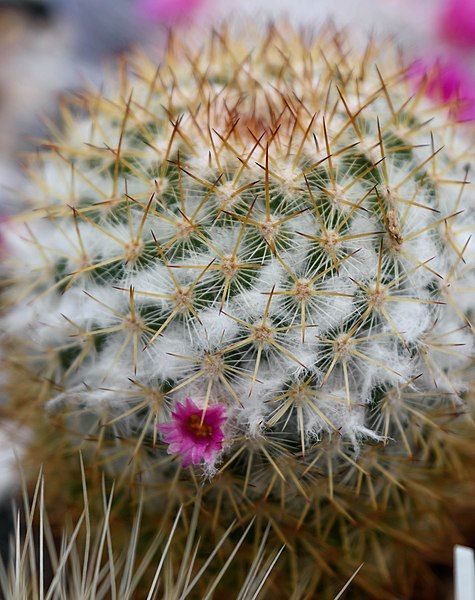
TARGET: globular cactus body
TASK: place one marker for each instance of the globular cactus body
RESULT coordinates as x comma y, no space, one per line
281,231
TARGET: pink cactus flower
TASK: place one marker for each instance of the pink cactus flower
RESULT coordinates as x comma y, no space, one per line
457,22
194,433
168,11
447,80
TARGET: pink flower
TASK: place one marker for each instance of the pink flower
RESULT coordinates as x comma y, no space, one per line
457,22
446,80
168,11
194,433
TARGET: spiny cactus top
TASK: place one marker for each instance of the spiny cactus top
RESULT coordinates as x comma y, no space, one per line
277,226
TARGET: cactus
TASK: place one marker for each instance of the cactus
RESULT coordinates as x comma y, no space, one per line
256,256
90,563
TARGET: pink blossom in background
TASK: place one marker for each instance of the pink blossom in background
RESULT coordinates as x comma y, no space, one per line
453,75
457,22
441,34
194,433
168,11
446,80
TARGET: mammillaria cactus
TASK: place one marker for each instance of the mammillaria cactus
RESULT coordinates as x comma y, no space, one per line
259,250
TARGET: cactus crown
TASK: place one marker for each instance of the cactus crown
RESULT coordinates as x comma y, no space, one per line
277,228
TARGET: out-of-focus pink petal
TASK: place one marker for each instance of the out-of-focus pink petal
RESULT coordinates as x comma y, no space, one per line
448,81
168,11
457,22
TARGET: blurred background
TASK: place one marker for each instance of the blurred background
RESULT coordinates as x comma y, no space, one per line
48,47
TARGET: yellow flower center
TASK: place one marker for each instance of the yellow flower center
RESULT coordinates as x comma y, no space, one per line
199,429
